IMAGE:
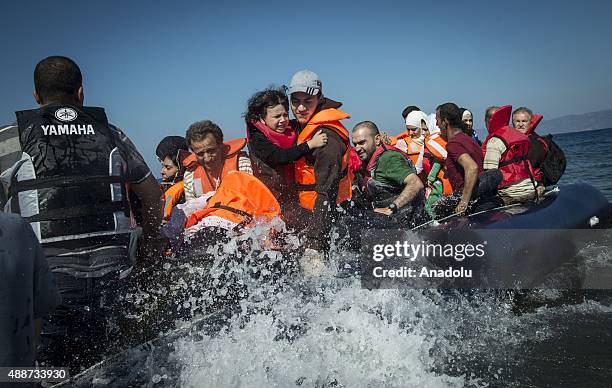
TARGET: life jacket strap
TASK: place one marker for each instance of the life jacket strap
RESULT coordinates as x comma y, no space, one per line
66,213
532,178
45,183
247,216
513,160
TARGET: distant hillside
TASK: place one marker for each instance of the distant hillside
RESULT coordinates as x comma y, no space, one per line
573,123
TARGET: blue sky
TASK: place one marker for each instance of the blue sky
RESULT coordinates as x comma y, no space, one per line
159,66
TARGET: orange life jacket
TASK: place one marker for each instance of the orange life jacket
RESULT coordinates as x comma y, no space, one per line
241,199
172,196
413,149
304,172
435,146
202,181
395,139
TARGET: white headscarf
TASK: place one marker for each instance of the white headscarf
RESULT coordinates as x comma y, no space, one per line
431,124
415,117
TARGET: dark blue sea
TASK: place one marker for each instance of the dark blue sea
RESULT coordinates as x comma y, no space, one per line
588,158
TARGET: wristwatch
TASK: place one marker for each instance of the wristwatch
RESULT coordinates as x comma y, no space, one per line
392,207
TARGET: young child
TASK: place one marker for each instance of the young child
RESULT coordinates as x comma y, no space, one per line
170,152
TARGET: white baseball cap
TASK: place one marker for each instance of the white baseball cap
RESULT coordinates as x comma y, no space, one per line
305,81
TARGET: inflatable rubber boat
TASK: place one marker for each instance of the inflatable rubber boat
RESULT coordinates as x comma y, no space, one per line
525,244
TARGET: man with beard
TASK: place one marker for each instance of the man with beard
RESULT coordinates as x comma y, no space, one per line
389,179
464,166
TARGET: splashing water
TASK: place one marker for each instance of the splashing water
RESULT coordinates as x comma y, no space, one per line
272,328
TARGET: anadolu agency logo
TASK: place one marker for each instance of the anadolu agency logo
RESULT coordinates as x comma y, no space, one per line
65,114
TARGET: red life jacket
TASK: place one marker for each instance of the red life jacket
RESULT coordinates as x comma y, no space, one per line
513,163
500,118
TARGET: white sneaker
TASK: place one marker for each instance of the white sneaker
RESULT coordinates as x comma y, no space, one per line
311,263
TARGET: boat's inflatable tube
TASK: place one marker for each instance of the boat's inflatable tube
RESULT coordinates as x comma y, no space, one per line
575,206
526,243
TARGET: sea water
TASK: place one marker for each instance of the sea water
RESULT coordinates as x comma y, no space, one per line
589,158
330,332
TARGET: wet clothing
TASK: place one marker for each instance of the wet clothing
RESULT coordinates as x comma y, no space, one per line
306,176
457,146
86,249
136,169
27,290
392,168
382,180
241,200
484,196
327,163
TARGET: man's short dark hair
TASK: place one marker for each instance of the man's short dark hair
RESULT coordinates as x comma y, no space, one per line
452,113
369,125
408,109
199,130
56,79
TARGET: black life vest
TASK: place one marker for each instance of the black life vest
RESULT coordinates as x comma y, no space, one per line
547,158
70,182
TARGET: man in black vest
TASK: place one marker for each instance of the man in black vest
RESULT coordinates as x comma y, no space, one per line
69,173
